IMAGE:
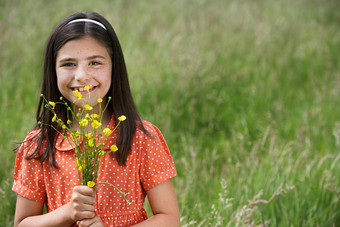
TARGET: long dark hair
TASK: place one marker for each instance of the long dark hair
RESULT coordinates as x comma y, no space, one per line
121,103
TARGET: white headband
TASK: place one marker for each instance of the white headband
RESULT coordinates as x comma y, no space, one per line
87,20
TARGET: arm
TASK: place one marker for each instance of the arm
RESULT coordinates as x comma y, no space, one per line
29,212
164,206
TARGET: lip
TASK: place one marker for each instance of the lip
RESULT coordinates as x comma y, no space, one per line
82,89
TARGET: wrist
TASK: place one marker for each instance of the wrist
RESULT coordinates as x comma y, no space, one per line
66,214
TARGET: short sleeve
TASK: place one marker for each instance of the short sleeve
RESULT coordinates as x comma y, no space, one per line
156,162
28,174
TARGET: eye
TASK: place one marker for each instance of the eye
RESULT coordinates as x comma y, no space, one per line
95,63
68,64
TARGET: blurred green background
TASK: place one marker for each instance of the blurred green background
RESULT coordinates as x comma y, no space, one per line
246,93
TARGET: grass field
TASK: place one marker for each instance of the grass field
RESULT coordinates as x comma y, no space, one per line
245,92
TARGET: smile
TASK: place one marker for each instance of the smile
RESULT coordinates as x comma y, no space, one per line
83,90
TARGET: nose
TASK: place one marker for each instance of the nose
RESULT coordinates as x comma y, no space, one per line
81,74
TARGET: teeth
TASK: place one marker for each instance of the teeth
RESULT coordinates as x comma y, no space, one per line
82,89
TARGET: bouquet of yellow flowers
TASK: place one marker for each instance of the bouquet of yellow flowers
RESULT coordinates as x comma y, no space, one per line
89,139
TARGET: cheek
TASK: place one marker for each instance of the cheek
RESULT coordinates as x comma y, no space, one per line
103,77
62,81
60,87
108,81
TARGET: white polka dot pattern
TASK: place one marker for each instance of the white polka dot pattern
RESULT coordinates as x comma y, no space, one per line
148,164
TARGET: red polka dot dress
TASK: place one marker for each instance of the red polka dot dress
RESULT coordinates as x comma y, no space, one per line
148,164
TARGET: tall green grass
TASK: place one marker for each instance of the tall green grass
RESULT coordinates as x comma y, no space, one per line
245,92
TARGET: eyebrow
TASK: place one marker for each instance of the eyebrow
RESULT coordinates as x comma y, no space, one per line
89,58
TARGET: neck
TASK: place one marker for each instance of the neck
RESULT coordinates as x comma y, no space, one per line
105,118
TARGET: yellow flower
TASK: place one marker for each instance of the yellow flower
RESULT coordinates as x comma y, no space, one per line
87,117
88,135
88,107
95,124
52,104
54,118
107,132
87,88
76,135
80,168
63,127
114,148
94,116
90,143
77,162
102,153
99,100
83,122
91,184
122,118
77,94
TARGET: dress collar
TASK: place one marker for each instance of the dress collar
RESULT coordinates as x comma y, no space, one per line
64,144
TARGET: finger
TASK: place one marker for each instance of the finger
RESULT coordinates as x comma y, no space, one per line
82,215
83,207
89,222
84,190
96,187
85,223
84,199
83,194
81,199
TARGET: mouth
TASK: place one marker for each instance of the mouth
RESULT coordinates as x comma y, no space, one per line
85,89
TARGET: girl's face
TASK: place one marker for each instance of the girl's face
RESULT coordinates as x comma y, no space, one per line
84,62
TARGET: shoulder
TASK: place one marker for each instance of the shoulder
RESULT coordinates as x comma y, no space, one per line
32,135
150,135
150,129
30,142
148,125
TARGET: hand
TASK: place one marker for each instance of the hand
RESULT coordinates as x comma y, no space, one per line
93,222
81,204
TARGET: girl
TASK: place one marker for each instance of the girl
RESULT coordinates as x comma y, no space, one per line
83,50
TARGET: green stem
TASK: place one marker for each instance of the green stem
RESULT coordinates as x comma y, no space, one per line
122,193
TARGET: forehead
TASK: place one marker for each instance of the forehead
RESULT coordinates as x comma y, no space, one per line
82,47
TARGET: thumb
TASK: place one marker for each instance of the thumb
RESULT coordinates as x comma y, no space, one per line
96,187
